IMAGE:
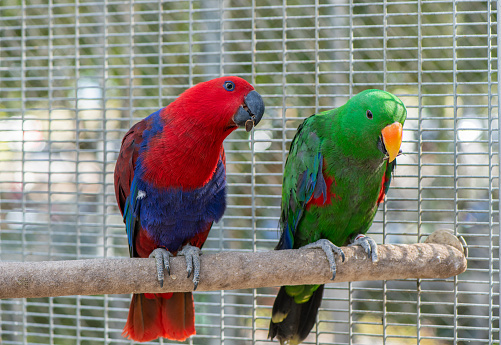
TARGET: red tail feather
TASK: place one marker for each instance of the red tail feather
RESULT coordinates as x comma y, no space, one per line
170,316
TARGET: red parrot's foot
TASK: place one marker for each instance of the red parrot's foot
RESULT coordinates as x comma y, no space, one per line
161,256
368,244
329,249
192,255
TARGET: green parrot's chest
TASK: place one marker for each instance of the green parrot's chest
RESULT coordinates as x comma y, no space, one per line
349,209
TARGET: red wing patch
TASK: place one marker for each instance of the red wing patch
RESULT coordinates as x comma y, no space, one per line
143,244
382,194
319,201
199,239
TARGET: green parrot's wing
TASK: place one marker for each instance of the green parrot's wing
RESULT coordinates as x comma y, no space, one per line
303,179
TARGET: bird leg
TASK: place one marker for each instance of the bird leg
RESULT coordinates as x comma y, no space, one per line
329,249
192,255
161,256
368,244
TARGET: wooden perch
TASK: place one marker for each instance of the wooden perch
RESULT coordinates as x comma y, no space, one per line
441,257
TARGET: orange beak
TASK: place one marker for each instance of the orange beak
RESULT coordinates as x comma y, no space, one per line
392,139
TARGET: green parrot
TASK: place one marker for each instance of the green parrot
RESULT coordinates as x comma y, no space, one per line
337,173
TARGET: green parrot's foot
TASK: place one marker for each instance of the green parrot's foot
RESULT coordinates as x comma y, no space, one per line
329,249
368,244
192,255
161,256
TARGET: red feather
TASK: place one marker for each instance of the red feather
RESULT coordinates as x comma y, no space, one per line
199,240
324,200
184,155
196,123
319,201
152,316
126,162
382,193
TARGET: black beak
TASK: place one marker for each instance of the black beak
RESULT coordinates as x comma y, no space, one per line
250,113
381,147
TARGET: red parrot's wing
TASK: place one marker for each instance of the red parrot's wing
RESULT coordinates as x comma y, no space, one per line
126,162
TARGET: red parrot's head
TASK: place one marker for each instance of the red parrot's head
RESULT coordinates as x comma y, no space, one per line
223,103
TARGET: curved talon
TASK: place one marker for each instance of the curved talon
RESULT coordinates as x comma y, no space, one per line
189,265
368,244
161,256
329,249
192,255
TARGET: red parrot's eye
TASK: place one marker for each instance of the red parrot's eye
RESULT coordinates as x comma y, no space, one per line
369,114
229,86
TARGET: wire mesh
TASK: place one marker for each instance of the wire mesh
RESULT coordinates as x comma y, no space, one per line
76,74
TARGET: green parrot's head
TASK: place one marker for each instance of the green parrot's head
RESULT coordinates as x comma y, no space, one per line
371,124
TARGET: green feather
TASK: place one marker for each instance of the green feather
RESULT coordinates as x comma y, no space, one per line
301,293
347,141
337,149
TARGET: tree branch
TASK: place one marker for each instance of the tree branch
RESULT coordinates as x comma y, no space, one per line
231,270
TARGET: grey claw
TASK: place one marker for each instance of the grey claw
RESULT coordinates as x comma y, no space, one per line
189,265
161,256
329,249
192,255
368,244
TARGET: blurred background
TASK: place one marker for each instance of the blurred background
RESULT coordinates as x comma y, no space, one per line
76,74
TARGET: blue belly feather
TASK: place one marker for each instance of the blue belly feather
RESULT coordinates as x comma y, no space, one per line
171,216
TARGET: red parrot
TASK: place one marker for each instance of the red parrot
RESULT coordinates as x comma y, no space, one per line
170,185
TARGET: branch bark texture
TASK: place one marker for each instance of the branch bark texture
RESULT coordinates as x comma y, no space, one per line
227,270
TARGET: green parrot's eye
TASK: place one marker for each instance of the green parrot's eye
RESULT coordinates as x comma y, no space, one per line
369,114
229,86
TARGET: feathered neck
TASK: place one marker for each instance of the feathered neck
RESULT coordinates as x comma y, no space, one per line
183,154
